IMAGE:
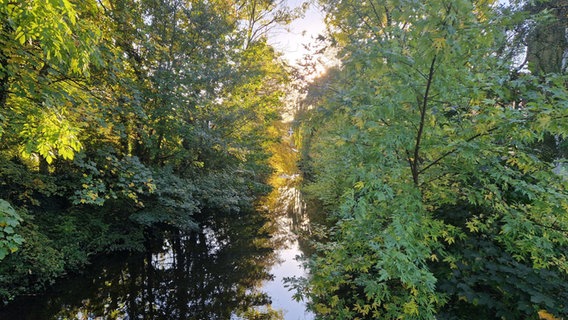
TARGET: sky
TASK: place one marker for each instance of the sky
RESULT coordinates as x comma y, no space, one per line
301,31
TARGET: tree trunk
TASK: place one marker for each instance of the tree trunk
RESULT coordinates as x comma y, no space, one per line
547,50
43,165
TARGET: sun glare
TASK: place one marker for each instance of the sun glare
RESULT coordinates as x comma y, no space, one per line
295,39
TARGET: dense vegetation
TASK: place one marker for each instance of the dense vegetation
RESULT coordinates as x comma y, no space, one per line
118,117
437,147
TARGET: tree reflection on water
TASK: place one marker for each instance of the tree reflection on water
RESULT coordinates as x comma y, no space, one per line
212,274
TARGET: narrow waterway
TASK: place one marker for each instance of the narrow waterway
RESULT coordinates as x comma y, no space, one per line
292,225
234,268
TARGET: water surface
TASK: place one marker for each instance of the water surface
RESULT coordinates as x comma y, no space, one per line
233,268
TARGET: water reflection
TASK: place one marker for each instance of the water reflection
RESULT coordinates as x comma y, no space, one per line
232,269
288,211
203,275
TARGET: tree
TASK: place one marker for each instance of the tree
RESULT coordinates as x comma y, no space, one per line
428,158
47,51
261,16
122,117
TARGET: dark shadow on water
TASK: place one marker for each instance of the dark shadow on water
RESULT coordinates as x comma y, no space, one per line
235,267
211,274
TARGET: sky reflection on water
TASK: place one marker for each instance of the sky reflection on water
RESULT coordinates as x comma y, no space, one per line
232,268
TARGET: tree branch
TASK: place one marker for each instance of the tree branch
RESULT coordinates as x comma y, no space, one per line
419,134
360,16
552,227
440,158
376,12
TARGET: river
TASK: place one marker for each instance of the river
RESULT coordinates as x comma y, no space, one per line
233,268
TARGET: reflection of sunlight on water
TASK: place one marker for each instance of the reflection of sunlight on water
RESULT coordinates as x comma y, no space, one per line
85,312
164,260
291,218
295,209
214,243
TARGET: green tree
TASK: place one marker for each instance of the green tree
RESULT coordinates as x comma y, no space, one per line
47,50
121,117
427,159
9,220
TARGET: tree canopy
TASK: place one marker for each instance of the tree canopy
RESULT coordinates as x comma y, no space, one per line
437,144
118,117
426,145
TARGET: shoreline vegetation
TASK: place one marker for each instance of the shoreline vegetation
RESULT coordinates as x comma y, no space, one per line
436,144
121,118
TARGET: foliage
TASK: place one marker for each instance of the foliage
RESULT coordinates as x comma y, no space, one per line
118,117
47,48
9,220
125,177
256,314
174,203
33,267
427,115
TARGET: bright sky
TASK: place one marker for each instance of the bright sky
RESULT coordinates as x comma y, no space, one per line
300,32
303,31
290,40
